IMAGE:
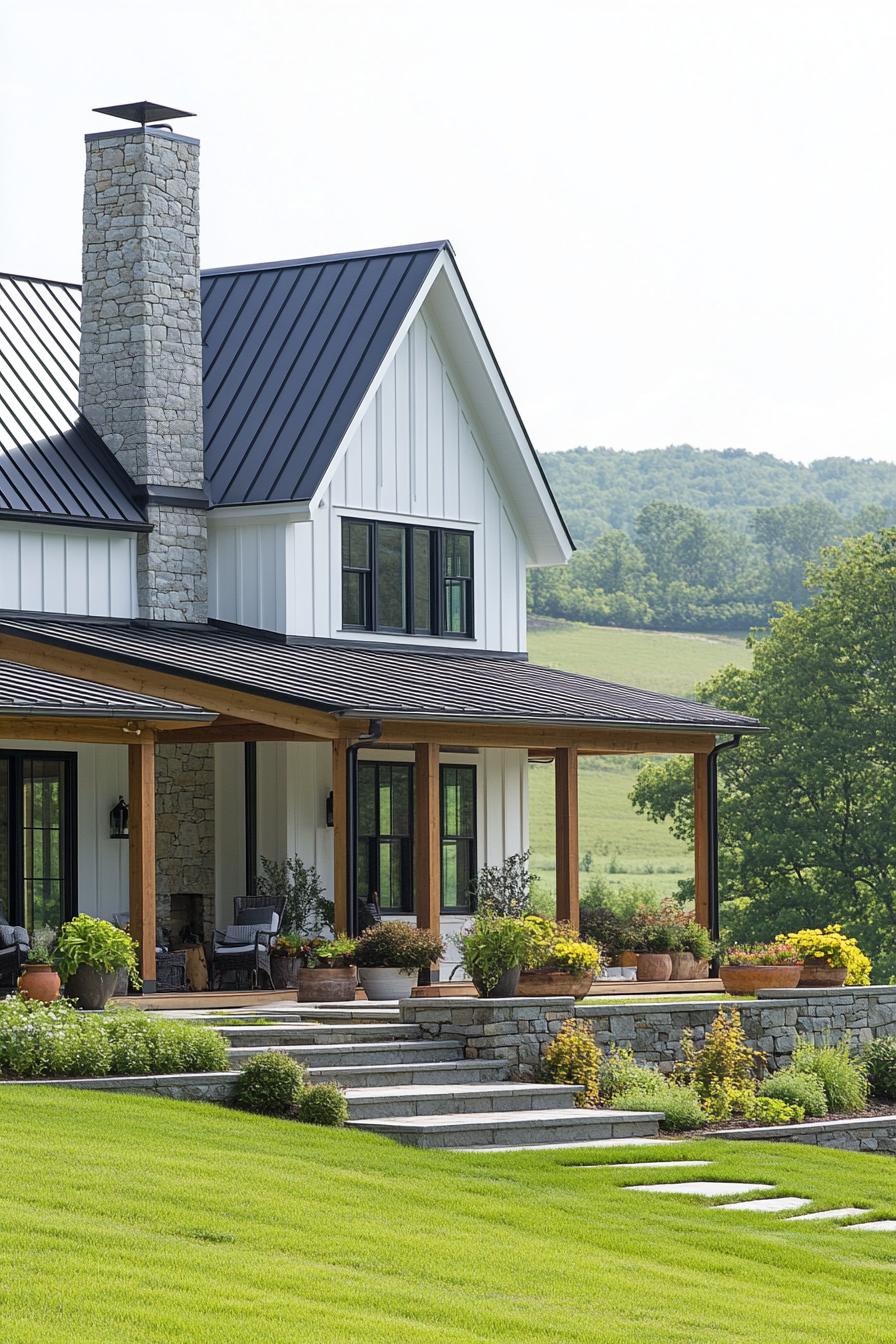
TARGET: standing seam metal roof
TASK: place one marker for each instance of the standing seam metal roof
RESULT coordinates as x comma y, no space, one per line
29,690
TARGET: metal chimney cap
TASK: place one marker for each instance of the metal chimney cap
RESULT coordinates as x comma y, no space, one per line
143,112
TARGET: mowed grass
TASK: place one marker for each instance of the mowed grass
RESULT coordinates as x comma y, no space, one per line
625,847
145,1221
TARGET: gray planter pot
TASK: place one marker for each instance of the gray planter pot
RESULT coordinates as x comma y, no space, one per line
505,988
90,988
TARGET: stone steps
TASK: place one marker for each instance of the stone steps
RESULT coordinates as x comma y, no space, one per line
320,1033
372,1103
358,1053
531,1128
456,1071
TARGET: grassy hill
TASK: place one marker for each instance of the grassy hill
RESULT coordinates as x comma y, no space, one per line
624,847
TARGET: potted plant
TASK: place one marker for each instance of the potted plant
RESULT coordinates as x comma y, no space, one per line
493,949
391,955
39,979
557,960
830,958
286,960
745,969
297,886
692,951
601,925
326,970
89,953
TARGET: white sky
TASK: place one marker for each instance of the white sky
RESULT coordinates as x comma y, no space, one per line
676,217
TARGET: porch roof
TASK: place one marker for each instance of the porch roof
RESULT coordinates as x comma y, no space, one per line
370,681
29,691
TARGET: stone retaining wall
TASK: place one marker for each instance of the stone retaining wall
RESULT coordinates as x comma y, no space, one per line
515,1030
179,1086
874,1134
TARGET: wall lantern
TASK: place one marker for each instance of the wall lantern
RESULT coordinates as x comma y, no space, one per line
330,808
118,820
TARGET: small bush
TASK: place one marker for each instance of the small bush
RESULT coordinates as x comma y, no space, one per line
619,1072
843,1078
270,1083
81,1050
797,1088
573,1056
603,927
880,1061
680,1105
726,1098
322,1104
773,1111
725,1058
395,943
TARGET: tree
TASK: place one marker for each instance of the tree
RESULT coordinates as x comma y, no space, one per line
807,811
791,537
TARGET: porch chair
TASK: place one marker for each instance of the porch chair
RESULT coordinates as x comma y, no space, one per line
14,945
245,945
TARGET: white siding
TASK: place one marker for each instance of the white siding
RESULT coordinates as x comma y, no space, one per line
81,572
247,573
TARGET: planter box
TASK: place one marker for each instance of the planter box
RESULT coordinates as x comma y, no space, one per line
817,974
749,979
544,984
684,966
326,984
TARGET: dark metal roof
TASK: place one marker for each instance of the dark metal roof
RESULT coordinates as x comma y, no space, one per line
53,464
29,690
378,682
289,352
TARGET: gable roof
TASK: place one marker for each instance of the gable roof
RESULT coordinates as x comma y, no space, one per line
53,464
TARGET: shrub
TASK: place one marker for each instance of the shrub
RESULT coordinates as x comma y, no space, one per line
270,1083
573,1056
395,943
557,947
85,941
843,1078
725,1057
680,1105
798,1088
832,946
43,945
693,938
619,1072
603,927
322,1104
880,1061
493,945
725,1098
298,885
774,1111
506,888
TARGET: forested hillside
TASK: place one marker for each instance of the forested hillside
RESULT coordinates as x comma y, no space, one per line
680,539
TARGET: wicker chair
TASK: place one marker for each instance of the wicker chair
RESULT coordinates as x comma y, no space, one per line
14,945
245,945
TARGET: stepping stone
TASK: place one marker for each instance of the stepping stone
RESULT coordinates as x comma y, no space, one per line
826,1213
778,1205
620,1166
576,1143
708,1189
882,1225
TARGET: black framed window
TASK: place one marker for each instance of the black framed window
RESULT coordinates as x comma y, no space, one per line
38,860
458,786
402,579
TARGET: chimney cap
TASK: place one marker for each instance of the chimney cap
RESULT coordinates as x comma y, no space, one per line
143,112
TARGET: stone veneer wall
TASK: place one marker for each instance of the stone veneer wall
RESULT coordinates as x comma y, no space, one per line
185,829
515,1030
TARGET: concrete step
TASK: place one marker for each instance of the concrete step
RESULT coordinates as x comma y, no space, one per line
578,1144
454,1071
357,1012
321,1033
372,1103
367,1053
549,1126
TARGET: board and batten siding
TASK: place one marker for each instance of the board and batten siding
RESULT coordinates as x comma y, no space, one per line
78,571
416,457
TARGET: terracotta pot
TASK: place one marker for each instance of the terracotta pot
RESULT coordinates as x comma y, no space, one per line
387,982
701,970
89,988
39,981
504,989
684,966
654,965
817,974
285,971
628,958
326,984
748,979
545,984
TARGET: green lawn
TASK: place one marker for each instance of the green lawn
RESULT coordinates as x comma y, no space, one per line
145,1221
624,847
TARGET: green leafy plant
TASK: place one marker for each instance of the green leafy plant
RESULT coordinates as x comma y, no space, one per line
843,1078
317,952
142,1043
299,886
680,1105
270,1083
553,946
43,944
604,927
692,937
505,888
322,1104
798,1087
831,946
725,1098
398,944
724,1059
493,945
85,941
774,1111
620,1072
880,1061
573,1056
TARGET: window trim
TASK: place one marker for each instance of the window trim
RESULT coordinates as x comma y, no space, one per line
16,822
437,580
472,841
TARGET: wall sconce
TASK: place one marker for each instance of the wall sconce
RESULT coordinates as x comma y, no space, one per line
330,808
118,821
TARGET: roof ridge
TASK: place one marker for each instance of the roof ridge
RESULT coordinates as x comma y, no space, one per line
434,245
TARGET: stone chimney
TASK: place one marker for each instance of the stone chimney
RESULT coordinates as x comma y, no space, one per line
141,349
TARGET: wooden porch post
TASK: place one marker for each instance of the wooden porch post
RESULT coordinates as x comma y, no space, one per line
340,834
701,841
427,836
566,809
142,854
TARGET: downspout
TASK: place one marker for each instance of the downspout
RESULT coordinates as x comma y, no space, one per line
373,734
713,821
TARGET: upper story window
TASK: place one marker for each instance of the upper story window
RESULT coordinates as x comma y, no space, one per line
402,579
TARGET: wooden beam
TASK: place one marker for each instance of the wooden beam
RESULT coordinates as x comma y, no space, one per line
566,820
701,841
63,729
340,834
168,685
142,853
234,732
427,836
588,741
